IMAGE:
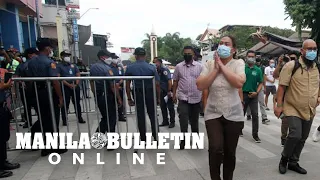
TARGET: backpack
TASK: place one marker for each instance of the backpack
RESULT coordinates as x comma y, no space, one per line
297,65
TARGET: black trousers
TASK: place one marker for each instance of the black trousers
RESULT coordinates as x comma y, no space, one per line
75,98
151,111
165,106
4,133
121,109
45,113
107,109
188,113
299,130
26,102
253,104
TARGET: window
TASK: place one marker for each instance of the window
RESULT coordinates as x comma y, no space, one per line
54,2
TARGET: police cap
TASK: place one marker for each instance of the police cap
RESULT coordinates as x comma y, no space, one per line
30,51
43,42
104,53
139,51
65,53
159,59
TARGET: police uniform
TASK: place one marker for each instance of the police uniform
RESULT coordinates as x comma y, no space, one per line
66,69
42,66
102,69
165,76
142,68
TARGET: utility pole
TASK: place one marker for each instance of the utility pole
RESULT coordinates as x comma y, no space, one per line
38,19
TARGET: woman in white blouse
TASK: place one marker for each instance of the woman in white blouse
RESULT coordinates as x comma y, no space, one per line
223,114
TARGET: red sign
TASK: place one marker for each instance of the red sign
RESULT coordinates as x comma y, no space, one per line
127,50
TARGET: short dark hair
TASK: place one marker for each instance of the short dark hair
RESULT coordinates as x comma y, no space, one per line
189,47
250,51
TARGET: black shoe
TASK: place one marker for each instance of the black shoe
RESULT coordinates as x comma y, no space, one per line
5,174
182,144
122,119
267,109
64,124
25,125
257,139
248,118
11,166
241,134
283,142
201,114
296,168
172,125
164,124
81,121
283,165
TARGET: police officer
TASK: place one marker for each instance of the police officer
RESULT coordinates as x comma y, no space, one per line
105,90
142,68
166,92
42,66
5,132
20,72
66,69
118,71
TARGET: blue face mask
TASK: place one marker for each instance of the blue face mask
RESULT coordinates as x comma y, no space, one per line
272,65
311,55
224,51
1,58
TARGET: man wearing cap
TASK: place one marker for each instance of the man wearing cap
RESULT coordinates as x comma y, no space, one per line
25,97
42,66
104,92
166,102
71,88
142,68
118,71
12,63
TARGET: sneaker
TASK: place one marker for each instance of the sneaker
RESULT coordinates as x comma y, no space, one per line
283,141
257,139
297,168
241,134
266,120
248,118
283,165
316,136
172,125
267,109
5,174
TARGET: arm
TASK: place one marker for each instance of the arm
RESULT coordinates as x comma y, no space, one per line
280,95
240,94
276,72
128,89
235,79
259,87
115,90
205,94
93,88
174,87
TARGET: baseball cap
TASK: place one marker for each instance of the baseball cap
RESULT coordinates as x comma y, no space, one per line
104,53
30,51
65,53
139,51
43,42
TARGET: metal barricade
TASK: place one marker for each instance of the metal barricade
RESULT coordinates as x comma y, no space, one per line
102,103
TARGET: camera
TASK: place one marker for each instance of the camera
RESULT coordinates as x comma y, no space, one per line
285,58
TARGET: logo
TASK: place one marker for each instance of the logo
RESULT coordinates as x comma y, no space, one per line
254,73
165,73
98,140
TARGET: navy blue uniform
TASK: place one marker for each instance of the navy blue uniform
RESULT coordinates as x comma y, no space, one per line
69,70
42,66
165,76
102,69
118,71
142,68
28,101
4,127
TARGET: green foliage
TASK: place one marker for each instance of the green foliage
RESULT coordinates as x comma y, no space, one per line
170,47
199,36
242,35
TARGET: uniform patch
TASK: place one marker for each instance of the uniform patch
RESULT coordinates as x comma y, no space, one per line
53,65
72,66
165,73
110,72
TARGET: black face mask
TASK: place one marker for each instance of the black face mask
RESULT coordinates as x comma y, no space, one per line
187,57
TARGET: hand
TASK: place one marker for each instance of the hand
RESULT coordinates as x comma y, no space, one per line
169,94
280,60
216,65
117,85
119,102
278,111
253,94
131,102
61,102
174,99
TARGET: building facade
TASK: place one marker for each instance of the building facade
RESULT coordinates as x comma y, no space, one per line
17,23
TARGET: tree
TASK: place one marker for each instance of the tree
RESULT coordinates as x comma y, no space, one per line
169,46
305,14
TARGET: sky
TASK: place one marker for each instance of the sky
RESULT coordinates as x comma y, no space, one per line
129,20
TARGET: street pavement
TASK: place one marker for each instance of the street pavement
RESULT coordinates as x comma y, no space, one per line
254,161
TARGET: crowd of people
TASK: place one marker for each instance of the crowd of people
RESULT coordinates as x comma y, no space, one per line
225,90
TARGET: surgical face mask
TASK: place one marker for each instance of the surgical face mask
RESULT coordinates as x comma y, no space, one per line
114,61
187,57
24,59
1,58
51,54
108,61
67,59
224,51
251,61
272,65
311,55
